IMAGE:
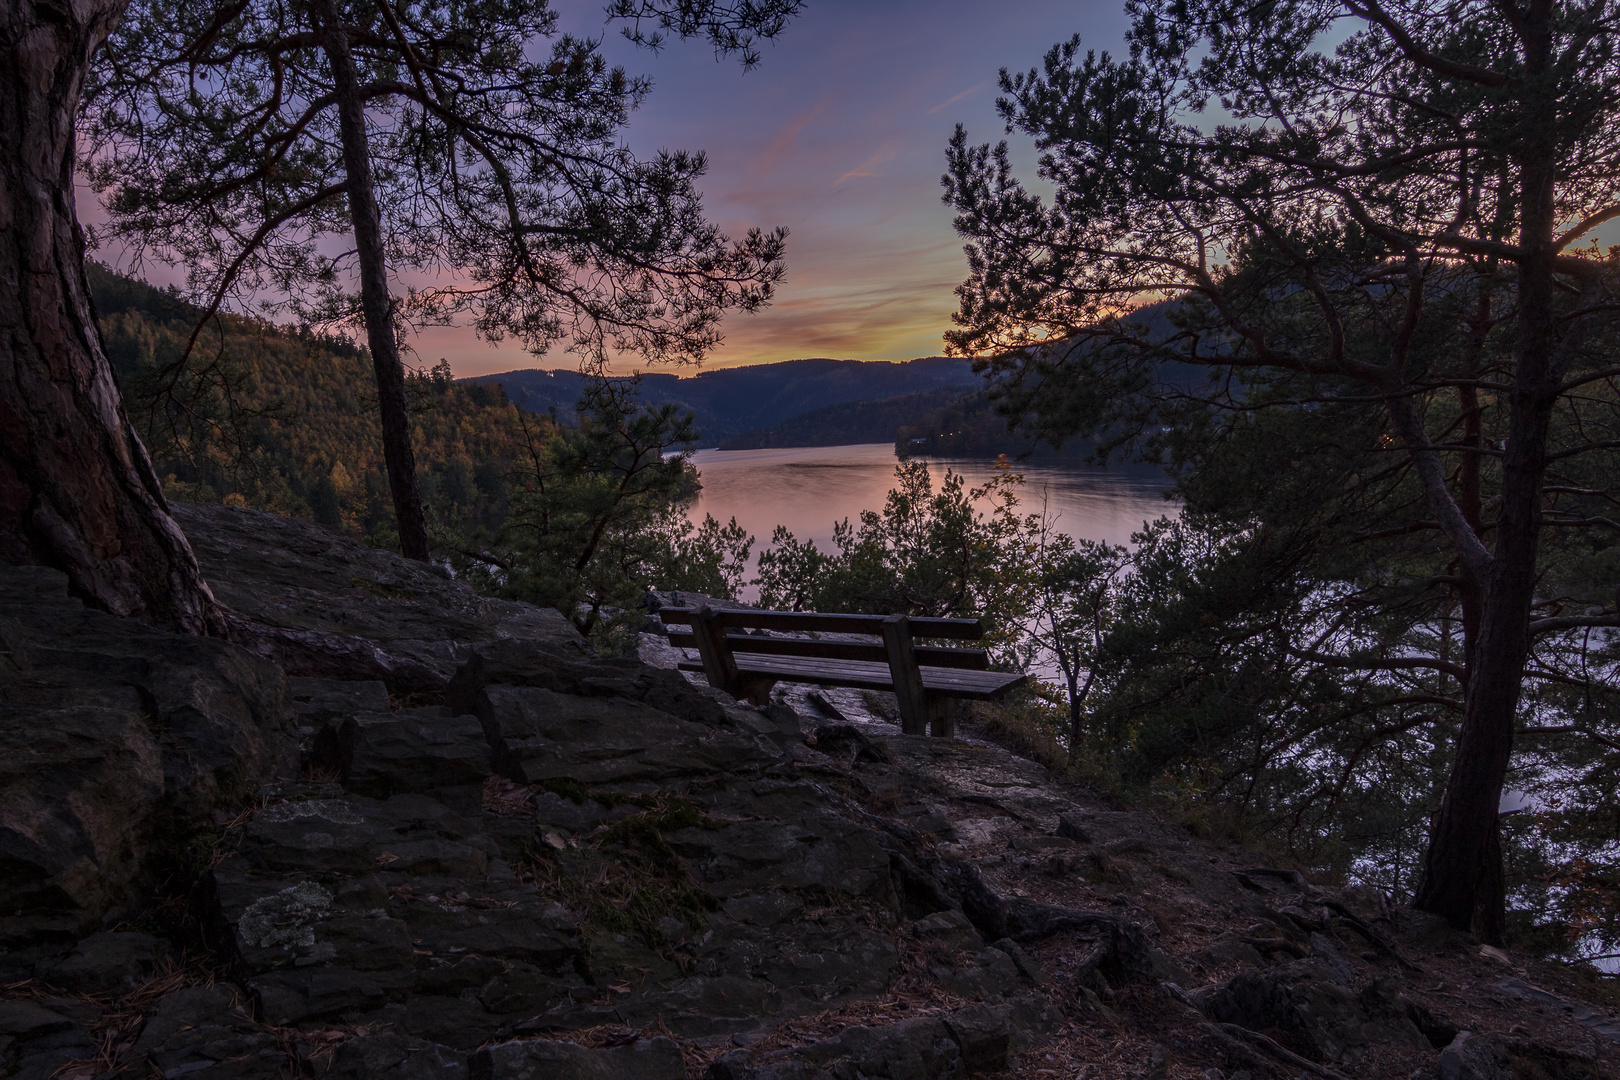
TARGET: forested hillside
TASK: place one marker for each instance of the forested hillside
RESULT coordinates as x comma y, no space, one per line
968,425
847,423
731,401
280,420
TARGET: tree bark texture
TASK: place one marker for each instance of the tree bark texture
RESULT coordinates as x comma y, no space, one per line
1463,881
77,489
1463,843
374,299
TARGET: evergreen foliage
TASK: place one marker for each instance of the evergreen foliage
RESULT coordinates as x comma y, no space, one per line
495,151
928,552
286,420
1398,470
597,518
235,138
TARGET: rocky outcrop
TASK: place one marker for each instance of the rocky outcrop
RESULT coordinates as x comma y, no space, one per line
321,605
1473,1057
110,733
1310,1005
458,843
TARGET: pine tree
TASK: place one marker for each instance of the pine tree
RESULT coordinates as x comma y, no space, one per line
1391,210
442,138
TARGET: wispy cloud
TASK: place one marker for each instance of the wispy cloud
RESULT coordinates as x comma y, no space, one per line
782,146
867,168
892,304
948,102
854,91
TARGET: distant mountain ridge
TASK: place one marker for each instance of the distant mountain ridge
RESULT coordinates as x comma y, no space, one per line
933,405
729,402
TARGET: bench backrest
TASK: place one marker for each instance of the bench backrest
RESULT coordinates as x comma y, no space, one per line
718,636
730,621
808,622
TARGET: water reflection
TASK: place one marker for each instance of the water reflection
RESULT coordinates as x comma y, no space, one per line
809,488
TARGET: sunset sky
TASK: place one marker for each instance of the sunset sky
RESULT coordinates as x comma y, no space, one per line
840,135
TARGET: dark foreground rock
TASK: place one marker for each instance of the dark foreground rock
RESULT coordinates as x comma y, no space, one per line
399,831
111,731
323,606
534,1059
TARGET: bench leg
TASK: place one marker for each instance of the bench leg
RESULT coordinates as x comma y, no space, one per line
942,717
908,686
756,692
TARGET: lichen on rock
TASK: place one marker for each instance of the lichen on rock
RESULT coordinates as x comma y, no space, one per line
285,919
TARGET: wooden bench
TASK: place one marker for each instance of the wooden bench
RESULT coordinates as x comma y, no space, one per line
928,680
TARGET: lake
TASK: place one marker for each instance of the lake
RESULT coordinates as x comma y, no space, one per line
809,488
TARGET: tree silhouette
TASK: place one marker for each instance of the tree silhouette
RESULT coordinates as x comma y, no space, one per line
1389,210
445,139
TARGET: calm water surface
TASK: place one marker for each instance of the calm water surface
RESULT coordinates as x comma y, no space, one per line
809,488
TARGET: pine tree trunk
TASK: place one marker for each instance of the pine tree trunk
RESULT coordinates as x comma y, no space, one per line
1462,874
77,490
1463,880
374,300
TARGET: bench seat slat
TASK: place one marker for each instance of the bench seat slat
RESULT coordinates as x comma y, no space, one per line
929,655
979,685
973,685
822,623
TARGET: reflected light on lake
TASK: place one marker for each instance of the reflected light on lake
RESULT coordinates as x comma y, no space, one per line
809,488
